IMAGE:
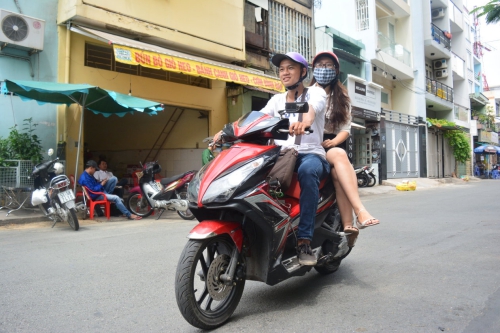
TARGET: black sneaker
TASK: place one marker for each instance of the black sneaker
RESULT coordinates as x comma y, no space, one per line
306,257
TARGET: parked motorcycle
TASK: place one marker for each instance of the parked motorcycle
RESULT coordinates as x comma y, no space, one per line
372,179
248,226
53,194
168,194
362,176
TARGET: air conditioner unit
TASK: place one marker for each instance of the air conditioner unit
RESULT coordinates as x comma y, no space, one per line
21,31
437,13
441,73
440,64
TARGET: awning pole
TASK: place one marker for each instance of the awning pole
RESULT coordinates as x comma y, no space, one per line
79,143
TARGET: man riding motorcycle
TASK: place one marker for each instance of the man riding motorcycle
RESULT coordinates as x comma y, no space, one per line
311,164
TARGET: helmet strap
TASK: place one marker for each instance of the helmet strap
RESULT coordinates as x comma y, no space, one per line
294,86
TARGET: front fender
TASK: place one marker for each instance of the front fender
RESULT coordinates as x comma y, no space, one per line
212,228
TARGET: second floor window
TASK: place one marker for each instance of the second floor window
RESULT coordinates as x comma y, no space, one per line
362,21
289,31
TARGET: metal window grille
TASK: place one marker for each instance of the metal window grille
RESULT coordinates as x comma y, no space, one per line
289,31
102,57
362,19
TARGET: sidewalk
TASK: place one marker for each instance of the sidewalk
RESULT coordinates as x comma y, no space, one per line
389,186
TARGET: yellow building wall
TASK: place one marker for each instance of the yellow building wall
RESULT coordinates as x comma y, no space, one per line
136,131
212,27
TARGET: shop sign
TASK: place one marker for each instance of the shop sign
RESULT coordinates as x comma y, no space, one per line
364,97
365,114
485,136
132,56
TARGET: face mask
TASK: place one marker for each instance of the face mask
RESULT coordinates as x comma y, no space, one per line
324,75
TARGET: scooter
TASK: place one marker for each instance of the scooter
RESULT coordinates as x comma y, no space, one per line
167,194
248,226
53,194
362,176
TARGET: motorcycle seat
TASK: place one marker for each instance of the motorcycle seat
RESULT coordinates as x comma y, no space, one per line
165,181
294,189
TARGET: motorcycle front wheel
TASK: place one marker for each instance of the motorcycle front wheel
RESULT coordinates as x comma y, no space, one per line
362,179
203,299
186,215
137,204
372,180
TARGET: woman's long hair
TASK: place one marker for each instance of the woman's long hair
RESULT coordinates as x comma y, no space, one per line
338,101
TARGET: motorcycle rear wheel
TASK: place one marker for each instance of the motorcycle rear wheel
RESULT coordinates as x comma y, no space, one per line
72,219
204,301
186,215
137,204
335,222
362,179
372,181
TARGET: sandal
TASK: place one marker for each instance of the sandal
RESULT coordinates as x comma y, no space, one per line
366,223
134,218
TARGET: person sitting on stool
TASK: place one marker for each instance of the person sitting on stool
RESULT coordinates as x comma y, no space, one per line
112,185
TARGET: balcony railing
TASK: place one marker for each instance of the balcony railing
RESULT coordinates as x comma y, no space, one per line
395,50
438,36
439,89
455,14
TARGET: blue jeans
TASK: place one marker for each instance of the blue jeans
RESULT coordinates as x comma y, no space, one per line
118,202
311,169
110,185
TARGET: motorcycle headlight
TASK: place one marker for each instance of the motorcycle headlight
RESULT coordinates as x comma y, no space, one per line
224,187
194,185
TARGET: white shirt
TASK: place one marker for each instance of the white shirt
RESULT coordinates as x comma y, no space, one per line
101,175
316,98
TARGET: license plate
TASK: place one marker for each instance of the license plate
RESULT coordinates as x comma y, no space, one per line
66,196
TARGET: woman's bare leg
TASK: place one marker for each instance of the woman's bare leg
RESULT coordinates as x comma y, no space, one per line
348,181
345,208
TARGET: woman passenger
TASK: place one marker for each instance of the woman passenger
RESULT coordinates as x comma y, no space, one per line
337,129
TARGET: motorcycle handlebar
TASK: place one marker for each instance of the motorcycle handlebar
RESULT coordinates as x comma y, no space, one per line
307,131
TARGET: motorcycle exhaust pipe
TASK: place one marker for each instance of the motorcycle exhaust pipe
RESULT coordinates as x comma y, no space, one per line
179,205
81,207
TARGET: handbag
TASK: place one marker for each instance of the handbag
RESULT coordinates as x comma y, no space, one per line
284,167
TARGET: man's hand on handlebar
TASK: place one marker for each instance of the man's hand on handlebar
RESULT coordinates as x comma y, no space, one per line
298,128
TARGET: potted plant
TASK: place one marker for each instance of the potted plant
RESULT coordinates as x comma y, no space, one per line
475,114
21,145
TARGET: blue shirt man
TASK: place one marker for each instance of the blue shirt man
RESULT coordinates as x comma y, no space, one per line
87,179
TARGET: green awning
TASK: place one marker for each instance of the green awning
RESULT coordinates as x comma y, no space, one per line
98,100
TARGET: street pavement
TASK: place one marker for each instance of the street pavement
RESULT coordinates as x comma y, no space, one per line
430,266
34,215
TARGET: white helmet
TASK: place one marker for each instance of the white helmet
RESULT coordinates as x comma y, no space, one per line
58,168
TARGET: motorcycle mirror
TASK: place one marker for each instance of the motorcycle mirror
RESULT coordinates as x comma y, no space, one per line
298,107
50,152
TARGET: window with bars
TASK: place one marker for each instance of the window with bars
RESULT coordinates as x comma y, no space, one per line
102,57
362,19
289,31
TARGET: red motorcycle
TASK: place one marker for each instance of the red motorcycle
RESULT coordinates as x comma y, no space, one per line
247,228
167,194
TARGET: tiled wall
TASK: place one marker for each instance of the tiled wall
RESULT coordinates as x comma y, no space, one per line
172,161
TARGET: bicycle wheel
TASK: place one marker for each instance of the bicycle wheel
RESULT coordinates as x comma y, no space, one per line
139,205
